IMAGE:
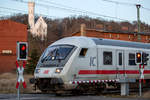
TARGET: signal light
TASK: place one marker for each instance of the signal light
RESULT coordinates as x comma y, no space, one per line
145,58
138,57
23,47
22,51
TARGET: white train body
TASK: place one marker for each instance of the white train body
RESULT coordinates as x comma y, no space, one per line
89,60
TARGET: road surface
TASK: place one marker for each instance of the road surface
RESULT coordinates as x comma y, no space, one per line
53,97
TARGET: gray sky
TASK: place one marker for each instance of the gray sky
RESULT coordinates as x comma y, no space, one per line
118,10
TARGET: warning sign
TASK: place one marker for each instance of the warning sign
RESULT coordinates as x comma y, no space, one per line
20,75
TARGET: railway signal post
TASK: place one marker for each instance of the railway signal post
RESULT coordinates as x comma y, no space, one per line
141,60
21,57
141,71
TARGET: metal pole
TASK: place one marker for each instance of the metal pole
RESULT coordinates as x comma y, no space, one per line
140,88
19,92
140,85
138,20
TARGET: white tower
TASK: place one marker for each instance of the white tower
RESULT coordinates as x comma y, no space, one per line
31,6
40,27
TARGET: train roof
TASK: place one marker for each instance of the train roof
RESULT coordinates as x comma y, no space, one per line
99,41
82,41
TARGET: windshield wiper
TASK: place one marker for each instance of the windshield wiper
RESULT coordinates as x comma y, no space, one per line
48,58
42,60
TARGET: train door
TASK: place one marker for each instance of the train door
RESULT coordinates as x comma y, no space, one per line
120,68
106,63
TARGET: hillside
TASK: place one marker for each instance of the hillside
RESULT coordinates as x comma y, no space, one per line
59,28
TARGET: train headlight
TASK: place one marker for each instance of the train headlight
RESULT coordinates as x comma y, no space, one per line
37,71
58,70
53,58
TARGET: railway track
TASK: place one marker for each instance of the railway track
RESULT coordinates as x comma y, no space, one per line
110,90
117,91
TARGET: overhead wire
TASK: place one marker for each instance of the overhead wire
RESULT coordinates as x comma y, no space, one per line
148,9
79,11
125,3
84,11
19,10
121,3
71,9
13,9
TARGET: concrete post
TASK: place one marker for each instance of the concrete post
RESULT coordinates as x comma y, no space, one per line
124,89
138,20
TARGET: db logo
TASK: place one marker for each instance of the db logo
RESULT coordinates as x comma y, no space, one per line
46,71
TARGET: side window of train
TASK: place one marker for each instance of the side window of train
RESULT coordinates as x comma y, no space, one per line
83,52
131,59
120,59
147,63
107,58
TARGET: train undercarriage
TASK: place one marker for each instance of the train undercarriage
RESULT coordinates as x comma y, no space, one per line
56,85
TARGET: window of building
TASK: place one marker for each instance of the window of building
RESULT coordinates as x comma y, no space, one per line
132,59
107,58
129,37
83,52
146,37
110,35
120,59
118,36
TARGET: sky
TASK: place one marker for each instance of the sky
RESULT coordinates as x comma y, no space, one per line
117,10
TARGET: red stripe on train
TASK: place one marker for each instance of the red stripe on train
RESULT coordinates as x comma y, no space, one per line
112,72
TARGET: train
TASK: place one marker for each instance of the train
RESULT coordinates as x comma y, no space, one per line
82,63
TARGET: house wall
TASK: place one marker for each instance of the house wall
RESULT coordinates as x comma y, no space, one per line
117,36
10,33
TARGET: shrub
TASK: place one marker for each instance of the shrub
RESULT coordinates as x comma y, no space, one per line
32,62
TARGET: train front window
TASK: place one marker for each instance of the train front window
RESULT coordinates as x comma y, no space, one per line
59,52
62,52
49,54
